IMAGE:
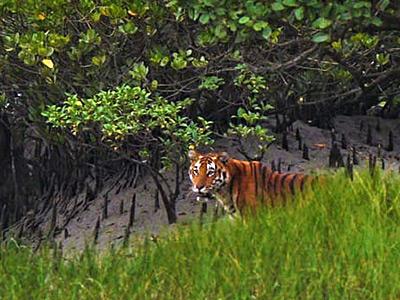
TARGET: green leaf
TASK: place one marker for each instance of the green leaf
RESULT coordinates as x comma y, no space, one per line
45,51
321,23
220,11
164,61
376,21
220,31
154,85
204,19
193,14
27,57
337,45
232,26
179,63
128,28
241,112
299,13
383,4
321,37
98,60
200,63
277,6
382,58
266,33
346,16
258,26
244,20
290,3
361,4
95,16
209,3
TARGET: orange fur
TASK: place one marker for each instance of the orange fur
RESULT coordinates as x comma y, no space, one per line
240,185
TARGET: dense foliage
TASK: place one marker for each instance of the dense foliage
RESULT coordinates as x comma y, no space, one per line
340,242
129,79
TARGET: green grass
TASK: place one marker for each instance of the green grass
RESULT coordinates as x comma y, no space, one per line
339,242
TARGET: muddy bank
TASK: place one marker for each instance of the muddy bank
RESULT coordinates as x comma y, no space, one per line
74,230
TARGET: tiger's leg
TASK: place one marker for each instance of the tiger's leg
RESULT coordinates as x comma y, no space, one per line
227,206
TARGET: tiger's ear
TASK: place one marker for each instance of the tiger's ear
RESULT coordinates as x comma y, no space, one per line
193,155
223,157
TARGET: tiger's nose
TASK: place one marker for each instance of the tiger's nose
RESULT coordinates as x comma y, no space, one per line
199,188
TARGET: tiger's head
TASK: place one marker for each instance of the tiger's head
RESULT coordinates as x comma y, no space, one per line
208,172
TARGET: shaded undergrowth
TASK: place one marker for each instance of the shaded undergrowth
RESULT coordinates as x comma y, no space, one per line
339,241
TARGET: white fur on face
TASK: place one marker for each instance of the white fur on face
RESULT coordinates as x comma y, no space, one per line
220,177
211,168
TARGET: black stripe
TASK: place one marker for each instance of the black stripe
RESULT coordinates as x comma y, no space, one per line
240,174
238,194
231,188
238,171
232,209
263,170
303,179
251,169
244,165
220,177
282,184
223,174
270,184
277,178
291,183
282,181
263,183
255,179
205,159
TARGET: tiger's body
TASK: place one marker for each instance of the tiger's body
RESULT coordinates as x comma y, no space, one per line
239,185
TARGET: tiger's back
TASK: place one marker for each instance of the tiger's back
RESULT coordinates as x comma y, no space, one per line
240,185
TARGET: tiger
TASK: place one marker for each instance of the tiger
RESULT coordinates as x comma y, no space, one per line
239,185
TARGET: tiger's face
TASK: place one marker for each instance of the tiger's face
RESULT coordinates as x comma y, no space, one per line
208,172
